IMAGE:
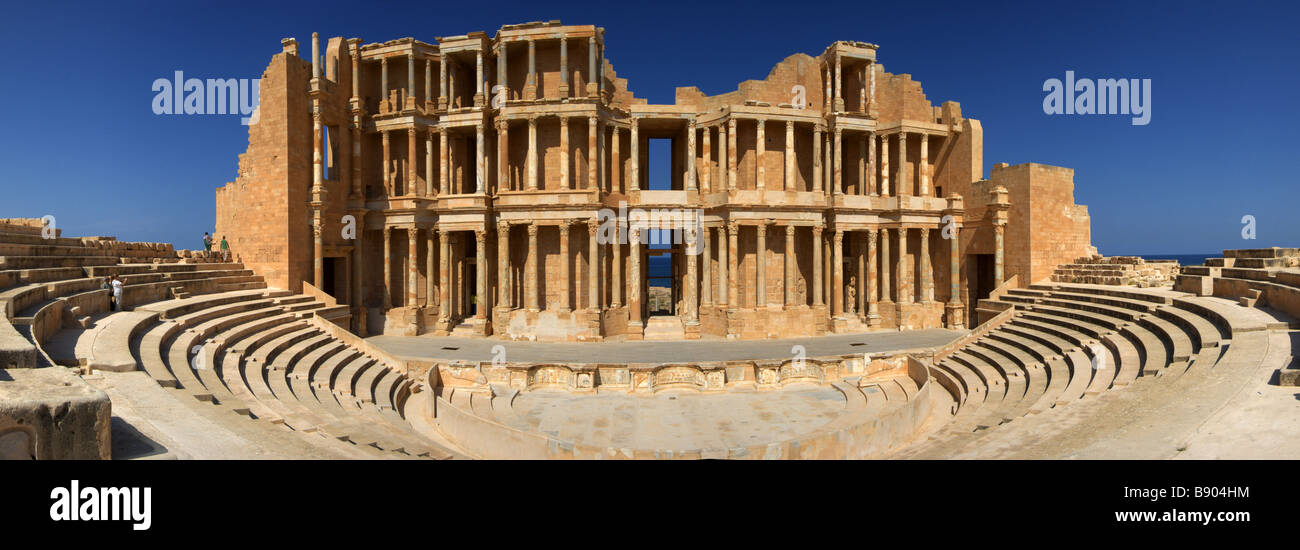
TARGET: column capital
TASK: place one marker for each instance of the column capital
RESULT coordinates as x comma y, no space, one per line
503,226
839,236
789,230
532,230
593,225
480,235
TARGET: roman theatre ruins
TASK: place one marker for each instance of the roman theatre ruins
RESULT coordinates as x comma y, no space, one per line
447,249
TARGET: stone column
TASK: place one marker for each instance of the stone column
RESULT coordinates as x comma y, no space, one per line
442,82
428,166
358,275
817,264
593,265
873,310
760,150
904,174
862,89
690,156
871,164
837,156
387,174
444,174
602,173
904,282
884,166
817,159
532,267
532,152
388,268
591,67
564,150
616,275
503,156
530,86
692,277
789,156
410,83
480,158
706,177
383,79
634,279
481,299
722,266
430,269
479,95
839,88
954,291
592,154
502,73
731,154
412,266
789,267
564,67
444,278
634,174
566,262
503,265
927,278
998,231
884,265
616,165
859,251
924,167
760,266
412,168
837,273
706,249
733,256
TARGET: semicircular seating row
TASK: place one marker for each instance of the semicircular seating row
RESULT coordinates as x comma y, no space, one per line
234,343
1067,342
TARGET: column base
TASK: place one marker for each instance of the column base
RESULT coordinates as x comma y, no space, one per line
955,314
873,320
530,92
635,330
480,100
692,330
592,89
442,104
564,90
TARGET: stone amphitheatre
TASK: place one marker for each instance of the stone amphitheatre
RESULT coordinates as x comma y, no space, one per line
442,250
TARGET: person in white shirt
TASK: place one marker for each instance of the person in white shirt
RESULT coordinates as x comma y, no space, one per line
117,293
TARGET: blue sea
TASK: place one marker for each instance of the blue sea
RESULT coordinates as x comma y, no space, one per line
660,271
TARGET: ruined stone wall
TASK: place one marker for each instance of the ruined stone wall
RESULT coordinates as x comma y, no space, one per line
1045,227
263,213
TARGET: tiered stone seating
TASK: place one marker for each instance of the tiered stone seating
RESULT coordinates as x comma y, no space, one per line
1263,277
209,330
1043,355
1116,270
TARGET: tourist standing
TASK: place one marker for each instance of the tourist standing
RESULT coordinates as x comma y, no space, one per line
207,242
225,250
117,294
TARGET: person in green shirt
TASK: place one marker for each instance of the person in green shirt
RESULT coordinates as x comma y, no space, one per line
225,249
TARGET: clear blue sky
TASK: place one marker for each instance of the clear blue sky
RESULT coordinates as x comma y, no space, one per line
83,144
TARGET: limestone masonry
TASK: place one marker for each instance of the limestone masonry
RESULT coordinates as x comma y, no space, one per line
834,196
